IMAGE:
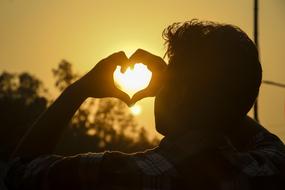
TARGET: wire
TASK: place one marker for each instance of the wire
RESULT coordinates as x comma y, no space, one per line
273,83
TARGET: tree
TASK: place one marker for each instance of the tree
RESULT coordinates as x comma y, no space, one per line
21,102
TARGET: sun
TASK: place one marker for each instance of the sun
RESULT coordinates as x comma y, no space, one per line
136,109
133,80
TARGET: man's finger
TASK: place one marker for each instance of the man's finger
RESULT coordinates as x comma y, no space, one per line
119,58
153,62
139,56
125,66
125,63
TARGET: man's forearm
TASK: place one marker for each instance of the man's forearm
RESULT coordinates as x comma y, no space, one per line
43,136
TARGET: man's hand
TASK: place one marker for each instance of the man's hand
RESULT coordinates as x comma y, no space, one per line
99,83
156,65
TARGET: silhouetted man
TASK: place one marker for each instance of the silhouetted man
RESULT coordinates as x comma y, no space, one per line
202,98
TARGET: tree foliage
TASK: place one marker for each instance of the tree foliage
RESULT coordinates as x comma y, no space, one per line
21,103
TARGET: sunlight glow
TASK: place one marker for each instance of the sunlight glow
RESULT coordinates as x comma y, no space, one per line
136,109
133,80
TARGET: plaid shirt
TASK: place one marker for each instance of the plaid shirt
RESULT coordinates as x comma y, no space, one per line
207,164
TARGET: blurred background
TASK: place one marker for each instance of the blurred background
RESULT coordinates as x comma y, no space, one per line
46,44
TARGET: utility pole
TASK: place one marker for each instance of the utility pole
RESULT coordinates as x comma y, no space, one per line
255,108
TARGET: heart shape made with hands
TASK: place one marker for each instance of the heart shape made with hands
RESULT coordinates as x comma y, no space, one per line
133,79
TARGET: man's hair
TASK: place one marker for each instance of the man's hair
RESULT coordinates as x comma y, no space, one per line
217,48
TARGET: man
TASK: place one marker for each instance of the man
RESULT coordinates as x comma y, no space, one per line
202,98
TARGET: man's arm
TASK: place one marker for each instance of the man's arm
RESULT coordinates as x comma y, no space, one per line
39,171
43,136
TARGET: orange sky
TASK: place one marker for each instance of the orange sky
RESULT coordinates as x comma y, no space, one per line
35,35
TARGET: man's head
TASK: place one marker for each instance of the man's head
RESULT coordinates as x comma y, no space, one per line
213,77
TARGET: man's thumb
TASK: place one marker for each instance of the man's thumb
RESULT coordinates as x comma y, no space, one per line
123,96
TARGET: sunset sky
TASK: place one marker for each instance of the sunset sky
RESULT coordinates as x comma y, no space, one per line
35,35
